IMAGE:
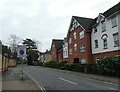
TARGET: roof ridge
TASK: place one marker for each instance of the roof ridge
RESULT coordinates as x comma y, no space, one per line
111,8
82,17
58,39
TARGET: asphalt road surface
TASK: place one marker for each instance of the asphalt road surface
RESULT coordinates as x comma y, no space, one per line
52,79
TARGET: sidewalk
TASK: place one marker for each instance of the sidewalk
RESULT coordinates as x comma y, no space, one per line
11,80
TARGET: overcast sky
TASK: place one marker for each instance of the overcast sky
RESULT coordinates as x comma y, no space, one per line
45,20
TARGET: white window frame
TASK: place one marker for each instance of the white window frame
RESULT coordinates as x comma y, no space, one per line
116,40
82,34
75,47
82,48
103,25
70,51
114,21
75,36
83,61
96,43
105,43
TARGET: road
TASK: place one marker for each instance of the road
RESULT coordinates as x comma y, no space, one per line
52,79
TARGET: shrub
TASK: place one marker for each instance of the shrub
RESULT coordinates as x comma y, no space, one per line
109,66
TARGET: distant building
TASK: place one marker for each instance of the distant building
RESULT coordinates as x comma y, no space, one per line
56,48
41,57
47,56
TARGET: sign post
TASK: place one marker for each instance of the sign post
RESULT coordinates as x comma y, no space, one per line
22,54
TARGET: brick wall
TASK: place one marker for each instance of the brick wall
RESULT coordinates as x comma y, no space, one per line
78,41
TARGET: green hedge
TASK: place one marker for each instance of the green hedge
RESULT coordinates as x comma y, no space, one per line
106,66
109,66
71,66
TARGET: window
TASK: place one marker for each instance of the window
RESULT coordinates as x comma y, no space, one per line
75,47
103,26
70,51
116,39
83,61
81,34
105,45
95,29
114,21
66,53
74,25
70,40
75,36
96,43
82,48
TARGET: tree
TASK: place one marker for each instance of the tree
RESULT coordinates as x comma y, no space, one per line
30,44
32,52
14,40
38,44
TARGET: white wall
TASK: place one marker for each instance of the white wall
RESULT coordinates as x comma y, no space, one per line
109,31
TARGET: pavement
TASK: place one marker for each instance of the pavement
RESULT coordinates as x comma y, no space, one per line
11,80
36,77
55,79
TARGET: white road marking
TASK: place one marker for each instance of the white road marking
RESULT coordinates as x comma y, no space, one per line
68,81
111,83
40,86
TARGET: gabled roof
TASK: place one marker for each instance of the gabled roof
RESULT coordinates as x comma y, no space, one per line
58,43
84,22
107,13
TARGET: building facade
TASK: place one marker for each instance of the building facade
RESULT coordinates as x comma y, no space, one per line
47,56
65,50
79,46
56,46
105,35
90,39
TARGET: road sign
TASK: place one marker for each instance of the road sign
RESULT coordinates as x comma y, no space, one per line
21,52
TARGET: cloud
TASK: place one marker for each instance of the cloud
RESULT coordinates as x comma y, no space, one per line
45,20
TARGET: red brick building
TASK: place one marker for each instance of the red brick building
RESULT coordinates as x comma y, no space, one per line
56,50
79,43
